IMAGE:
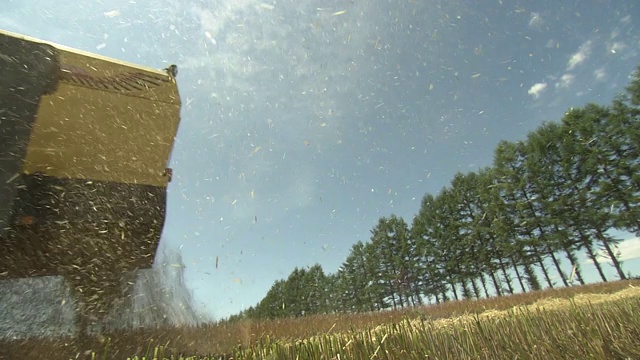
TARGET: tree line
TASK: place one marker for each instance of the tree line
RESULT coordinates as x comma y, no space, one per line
558,193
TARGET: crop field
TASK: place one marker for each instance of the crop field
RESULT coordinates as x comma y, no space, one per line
597,321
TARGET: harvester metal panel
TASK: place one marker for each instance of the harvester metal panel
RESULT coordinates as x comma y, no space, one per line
108,120
83,162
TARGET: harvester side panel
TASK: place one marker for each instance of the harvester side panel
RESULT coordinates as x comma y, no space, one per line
83,165
28,71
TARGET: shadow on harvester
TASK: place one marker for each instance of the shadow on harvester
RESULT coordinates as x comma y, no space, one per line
84,147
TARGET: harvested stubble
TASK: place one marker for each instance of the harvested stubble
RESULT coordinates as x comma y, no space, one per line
585,327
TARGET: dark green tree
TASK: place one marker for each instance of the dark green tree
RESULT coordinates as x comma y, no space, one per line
390,239
547,166
475,217
273,304
316,290
498,225
445,230
517,195
431,277
356,282
590,155
377,289
620,164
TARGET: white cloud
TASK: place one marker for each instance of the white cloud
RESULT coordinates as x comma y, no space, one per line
565,81
614,34
600,74
580,56
535,20
628,249
537,89
616,47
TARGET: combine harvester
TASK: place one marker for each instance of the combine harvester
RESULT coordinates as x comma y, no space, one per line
84,147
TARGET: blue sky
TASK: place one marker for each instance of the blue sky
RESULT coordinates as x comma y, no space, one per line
303,122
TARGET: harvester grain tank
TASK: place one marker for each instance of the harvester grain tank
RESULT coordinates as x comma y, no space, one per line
85,142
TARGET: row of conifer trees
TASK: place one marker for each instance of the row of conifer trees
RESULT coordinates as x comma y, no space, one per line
499,230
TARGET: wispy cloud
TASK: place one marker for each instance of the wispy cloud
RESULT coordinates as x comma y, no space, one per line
537,89
565,81
600,74
616,47
535,20
580,56
628,249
